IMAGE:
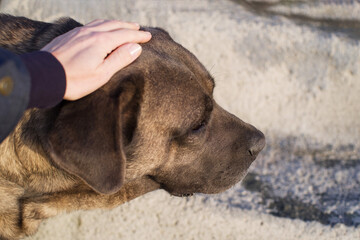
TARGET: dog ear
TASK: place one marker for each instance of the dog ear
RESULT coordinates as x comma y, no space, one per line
87,136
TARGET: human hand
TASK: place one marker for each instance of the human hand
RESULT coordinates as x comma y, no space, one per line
91,54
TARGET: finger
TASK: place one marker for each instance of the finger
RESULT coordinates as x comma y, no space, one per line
121,57
113,40
111,25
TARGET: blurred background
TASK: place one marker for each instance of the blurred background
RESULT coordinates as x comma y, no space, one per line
292,69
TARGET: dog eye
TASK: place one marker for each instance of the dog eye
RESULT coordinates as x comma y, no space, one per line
199,127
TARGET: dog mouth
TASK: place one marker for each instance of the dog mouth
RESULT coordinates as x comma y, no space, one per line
181,194
178,194
171,192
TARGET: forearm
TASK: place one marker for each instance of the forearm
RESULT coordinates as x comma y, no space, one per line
32,80
14,91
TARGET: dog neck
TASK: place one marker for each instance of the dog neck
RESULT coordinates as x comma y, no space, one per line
23,160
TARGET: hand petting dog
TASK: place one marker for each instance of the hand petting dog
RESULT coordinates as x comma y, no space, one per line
91,54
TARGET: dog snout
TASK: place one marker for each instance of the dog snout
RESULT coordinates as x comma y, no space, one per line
257,143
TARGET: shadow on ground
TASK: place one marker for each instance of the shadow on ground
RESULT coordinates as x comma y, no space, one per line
293,208
349,28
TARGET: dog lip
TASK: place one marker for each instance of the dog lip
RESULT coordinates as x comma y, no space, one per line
177,194
182,194
173,193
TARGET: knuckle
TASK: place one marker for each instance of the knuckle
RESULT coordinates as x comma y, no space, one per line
99,37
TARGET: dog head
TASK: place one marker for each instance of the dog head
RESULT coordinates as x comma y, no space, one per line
157,119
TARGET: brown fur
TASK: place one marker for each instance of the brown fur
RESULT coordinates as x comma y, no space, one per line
155,125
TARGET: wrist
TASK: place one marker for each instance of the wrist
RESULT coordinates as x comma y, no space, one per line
48,80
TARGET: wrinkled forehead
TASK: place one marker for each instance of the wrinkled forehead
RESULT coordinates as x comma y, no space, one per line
172,60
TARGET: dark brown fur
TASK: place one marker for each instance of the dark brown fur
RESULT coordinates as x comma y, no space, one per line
155,125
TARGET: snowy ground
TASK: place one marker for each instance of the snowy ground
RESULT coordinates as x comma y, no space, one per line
292,69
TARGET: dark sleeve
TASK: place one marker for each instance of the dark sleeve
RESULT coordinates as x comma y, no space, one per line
31,80
14,91
47,76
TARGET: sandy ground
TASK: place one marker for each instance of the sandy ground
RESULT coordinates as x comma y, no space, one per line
296,82
329,9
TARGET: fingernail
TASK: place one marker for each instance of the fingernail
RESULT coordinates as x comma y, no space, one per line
134,49
136,24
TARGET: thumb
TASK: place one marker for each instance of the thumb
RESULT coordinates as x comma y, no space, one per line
121,57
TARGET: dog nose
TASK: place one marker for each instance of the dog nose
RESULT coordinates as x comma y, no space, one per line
258,143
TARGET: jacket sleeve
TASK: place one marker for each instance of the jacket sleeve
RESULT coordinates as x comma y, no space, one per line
48,80
30,80
14,91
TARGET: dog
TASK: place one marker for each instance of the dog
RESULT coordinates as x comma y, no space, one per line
154,125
